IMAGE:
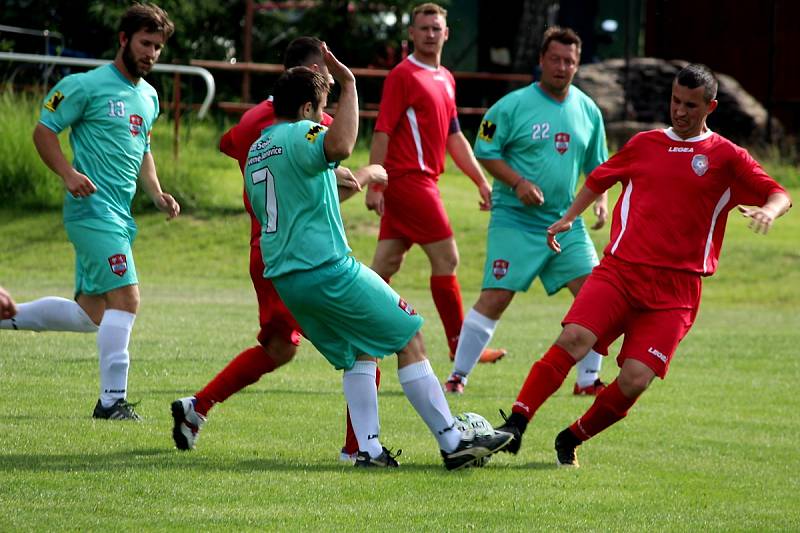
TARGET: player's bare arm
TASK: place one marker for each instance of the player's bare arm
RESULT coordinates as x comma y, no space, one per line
528,192
460,150
377,155
341,137
49,148
149,180
762,218
361,178
582,201
601,211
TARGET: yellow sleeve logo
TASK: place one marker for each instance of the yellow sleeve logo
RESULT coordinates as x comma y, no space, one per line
54,101
486,131
313,132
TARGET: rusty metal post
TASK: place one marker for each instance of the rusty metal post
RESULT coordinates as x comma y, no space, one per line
176,103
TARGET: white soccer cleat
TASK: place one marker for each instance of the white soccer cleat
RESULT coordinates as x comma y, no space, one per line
187,423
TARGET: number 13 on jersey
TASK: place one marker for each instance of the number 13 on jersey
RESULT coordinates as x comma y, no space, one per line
270,201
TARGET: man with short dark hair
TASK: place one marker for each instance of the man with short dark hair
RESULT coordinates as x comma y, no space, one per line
666,234
349,313
536,141
279,333
111,111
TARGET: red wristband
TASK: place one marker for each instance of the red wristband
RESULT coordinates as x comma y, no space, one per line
377,187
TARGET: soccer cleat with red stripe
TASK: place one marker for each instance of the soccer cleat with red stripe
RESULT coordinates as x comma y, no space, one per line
589,390
489,355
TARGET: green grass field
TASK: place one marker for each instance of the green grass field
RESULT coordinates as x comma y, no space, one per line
713,447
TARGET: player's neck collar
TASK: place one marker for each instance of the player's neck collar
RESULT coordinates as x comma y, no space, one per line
420,64
675,137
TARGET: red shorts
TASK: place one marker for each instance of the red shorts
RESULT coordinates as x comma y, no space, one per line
654,308
273,316
413,211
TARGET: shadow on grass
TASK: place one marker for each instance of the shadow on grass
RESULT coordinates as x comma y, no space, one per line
165,459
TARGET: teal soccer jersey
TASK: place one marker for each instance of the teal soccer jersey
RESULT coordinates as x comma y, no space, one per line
547,142
293,192
111,119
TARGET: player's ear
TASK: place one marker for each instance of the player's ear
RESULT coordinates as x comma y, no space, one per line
712,105
123,39
306,111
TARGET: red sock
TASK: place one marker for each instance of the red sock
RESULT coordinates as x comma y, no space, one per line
350,440
609,407
447,297
546,376
245,369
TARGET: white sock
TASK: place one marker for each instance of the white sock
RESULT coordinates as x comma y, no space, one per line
476,332
588,369
425,394
362,400
112,343
50,314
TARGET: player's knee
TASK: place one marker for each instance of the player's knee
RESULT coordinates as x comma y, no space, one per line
491,303
280,351
633,383
577,340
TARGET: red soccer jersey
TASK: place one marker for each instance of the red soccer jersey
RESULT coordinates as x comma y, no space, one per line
676,197
418,112
236,143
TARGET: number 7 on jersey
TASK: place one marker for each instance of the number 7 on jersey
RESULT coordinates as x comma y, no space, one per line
270,202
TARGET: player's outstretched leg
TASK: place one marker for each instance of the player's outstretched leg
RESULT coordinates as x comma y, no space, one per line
50,314
458,450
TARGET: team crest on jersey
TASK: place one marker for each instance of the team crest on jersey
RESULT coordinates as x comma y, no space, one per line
486,131
405,306
54,101
118,264
136,125
700,164
313,132
562,142
499,268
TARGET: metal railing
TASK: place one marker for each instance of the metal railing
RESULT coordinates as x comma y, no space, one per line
80,62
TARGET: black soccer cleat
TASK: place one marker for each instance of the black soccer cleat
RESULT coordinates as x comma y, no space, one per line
567,449
471,451
386,459
515,425
120,410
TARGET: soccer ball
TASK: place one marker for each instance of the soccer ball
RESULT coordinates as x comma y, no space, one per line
473,424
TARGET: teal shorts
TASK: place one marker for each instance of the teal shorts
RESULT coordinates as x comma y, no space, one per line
103,256
346,310
514,258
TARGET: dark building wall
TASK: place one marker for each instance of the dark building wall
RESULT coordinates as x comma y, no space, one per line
755,41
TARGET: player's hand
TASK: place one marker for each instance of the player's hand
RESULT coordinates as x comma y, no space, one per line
8,307
79,185
375,175
557,227
346,179
486,196
761,218
529,193
167,204
601,211
374,200
337,69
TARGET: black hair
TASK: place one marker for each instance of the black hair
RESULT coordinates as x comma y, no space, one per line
696,75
